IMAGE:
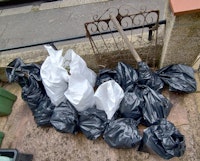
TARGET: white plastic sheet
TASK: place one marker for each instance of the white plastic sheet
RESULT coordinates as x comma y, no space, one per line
108,97
54,75
81,82
78,66
57,70
80,92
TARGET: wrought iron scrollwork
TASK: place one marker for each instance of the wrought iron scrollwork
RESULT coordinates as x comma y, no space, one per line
130,19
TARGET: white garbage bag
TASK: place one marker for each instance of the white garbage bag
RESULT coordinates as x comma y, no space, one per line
108,97
54,75
78,66
80,92
57,70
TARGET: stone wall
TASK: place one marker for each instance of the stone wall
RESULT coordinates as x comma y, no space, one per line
182,40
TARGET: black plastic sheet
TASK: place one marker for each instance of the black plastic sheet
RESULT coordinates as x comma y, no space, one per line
179,77
92,122
156,106
13,71
164,139
131,105
43,113
28,77
65,118
122,133
105,75
18,71
127,76
33,93
148,77
32,70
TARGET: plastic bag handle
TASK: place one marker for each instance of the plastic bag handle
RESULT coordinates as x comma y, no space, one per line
53,46
121,31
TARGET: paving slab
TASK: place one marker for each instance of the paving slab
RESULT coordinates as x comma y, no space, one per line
11,11
39,26
47,144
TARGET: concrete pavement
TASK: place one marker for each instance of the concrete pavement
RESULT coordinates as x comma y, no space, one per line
36,24
47,144
57,20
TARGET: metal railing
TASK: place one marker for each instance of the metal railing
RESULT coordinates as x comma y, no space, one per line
162,22
130,19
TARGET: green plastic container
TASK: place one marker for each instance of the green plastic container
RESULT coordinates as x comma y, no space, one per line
1,137
7,100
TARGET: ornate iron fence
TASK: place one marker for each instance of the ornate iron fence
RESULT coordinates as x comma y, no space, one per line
141,27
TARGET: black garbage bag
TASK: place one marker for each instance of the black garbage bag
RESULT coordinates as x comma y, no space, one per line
131,105
127,76
149,78
105,75
65,118
179,77
19,72
156,106
164,139
33,93
13,71
28,77
32,70
122,133
43,113
92,122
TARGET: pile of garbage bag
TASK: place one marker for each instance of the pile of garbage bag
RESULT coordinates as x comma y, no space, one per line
65,94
